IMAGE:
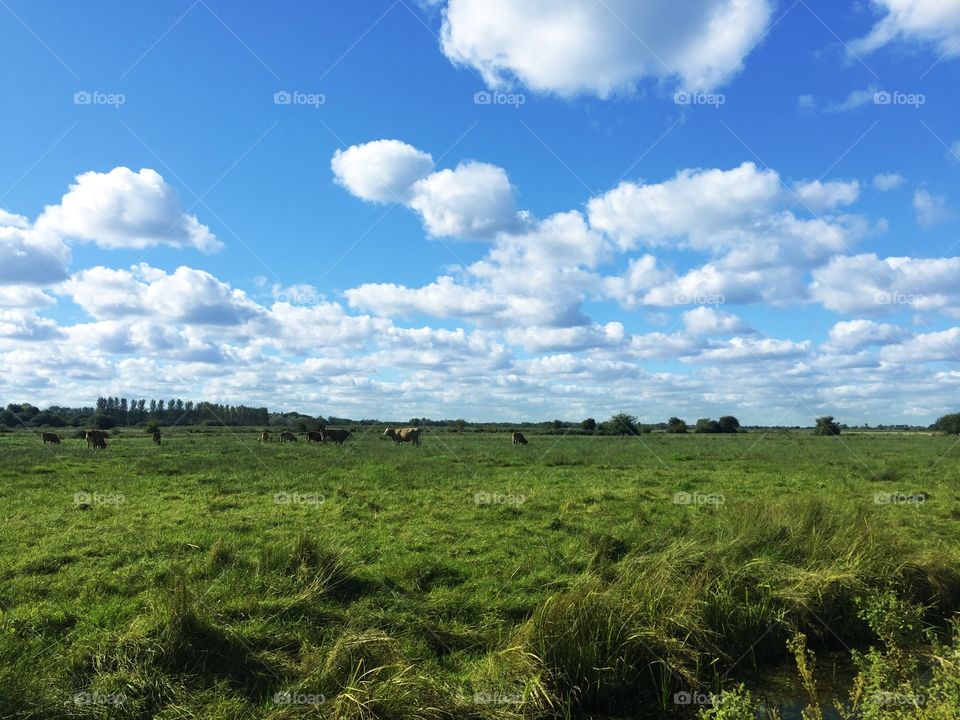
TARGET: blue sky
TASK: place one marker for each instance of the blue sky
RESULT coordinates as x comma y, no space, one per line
699,209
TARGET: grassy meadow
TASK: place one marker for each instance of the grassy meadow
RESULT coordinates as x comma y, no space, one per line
215,577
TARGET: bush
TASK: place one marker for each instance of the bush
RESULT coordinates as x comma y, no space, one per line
705,425
826,426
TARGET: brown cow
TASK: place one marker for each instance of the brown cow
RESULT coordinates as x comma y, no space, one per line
518,438
50,438
156,438
314,436
402,435
97,438
287,436
265,436
334,435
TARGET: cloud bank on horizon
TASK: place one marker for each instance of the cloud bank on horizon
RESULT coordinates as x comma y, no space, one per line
703,289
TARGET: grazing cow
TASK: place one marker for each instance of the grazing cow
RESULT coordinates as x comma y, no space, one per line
287,436
402,435
50,438
314,436
334,435
156,438
518,438
97,438
265,436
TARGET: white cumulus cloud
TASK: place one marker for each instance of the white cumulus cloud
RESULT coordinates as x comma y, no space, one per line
572,47
126,209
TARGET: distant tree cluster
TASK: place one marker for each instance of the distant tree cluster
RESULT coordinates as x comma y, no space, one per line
726,424
949,424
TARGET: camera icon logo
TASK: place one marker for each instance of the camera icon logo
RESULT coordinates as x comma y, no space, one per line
282,97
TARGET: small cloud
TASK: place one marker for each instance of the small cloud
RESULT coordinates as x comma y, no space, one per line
887,181
931,209
856,99
807,103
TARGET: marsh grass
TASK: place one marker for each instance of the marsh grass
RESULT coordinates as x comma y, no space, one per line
400,596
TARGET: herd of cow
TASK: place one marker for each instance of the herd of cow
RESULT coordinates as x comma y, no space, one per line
337,436
98,438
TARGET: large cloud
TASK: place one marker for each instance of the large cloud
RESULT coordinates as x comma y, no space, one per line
924,21
187,295
126,209
572,47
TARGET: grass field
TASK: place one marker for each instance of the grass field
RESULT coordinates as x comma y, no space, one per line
214,577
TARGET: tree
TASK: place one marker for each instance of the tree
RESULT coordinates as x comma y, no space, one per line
589,425
621,424
949,424
729,424
676,425
826,426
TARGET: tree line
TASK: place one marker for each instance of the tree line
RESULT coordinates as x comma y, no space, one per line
110,412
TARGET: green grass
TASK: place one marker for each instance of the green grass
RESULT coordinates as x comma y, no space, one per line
379,585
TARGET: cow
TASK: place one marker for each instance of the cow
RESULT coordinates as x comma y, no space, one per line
287,436
156,438
334,435
314,436
265,436
97,438
402,435
518,438
50,438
